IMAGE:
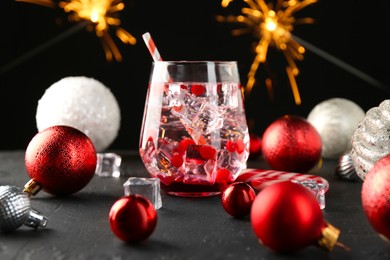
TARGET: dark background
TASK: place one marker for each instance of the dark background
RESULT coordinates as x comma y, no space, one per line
353,31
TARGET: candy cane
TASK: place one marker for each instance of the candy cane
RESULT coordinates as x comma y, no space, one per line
259,179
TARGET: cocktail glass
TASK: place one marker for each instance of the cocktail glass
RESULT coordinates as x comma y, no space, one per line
194,134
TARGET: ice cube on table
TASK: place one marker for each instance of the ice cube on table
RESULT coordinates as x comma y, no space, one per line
147,187
108,165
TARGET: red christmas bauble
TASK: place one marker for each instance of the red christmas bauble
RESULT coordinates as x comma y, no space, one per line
286,217
133,218
61,159
254,146
375,197
291,144
237,199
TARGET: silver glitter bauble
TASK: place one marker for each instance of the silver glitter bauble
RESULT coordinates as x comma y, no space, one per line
335,119
15,210
345,168
371,140
83,103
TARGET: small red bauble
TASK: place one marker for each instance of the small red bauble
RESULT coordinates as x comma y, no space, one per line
254,146
237,199
286,217
61,160
291,144
375,197
133,218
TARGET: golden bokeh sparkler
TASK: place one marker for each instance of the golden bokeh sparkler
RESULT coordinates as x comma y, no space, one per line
102,15
272,26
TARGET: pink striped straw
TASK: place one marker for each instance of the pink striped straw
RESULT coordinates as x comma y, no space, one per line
153,50
157,57
151,46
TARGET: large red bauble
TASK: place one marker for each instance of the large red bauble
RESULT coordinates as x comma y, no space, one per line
375,197
237,199
61,159
133,218
286,217
292,144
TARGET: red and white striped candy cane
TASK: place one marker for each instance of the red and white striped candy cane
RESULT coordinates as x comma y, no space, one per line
260,179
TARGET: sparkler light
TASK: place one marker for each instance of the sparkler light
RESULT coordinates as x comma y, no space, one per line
102,15
271,27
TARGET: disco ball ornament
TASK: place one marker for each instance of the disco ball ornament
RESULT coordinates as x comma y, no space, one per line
335,120
375,195
370,141
291,143
83,103
60,160
16,211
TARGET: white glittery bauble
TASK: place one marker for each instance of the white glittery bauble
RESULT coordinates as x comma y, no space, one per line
371,140
335,120
83,103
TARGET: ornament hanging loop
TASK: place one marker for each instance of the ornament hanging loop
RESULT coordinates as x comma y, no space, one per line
32,188
330,235
36,220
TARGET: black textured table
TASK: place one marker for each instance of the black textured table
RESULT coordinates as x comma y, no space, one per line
187,228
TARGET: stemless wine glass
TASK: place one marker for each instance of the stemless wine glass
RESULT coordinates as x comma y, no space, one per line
194,134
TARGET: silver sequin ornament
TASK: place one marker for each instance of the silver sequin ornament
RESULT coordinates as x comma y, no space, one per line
345,168
371,140
15,210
